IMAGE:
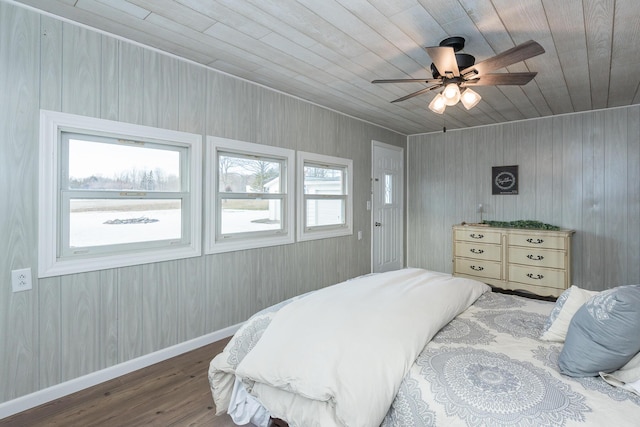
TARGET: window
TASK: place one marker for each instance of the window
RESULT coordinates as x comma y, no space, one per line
115,194
388,189
324,196
249,190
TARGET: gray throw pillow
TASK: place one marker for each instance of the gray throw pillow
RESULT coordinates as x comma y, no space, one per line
604,334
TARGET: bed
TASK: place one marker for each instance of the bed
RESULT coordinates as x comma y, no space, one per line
484,362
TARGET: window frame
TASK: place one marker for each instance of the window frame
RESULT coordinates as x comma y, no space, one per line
305,232
54,258
215,241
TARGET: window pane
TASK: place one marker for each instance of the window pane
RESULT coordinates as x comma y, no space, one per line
325,212
103,166
244,175
245,215
388,189
323,180
99,222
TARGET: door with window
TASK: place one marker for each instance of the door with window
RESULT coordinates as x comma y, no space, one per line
387,207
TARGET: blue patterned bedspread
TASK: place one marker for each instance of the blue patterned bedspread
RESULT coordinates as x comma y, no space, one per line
488,368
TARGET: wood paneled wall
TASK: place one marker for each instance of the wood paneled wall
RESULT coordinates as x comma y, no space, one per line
72,325
579,171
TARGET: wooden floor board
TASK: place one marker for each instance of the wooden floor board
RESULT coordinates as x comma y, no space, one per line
170,393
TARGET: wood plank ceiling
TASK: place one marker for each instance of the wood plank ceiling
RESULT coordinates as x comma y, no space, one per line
328,51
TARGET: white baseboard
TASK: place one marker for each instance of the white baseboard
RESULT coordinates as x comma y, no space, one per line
57,391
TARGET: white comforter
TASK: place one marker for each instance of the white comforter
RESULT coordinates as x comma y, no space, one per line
338,355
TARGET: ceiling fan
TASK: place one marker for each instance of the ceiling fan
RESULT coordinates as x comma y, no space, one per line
458,72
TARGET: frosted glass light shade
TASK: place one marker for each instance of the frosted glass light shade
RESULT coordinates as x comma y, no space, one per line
451,94
438,104
470,98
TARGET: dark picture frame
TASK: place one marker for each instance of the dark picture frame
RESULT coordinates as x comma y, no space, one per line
504,180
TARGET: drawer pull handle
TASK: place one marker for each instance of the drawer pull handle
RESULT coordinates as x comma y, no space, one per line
535,241
476,236
535,257
477,251
476,268
534,276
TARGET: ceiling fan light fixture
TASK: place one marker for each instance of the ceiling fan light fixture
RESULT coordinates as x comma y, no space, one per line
451,94
453,71
438,104
470,98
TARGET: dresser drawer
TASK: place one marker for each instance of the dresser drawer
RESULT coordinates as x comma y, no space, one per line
479,268
533,240
477,235
537,276
537,257
478,251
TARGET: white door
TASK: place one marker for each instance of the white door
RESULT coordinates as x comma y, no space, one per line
387,210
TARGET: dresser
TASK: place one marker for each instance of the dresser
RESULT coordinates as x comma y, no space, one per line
536,261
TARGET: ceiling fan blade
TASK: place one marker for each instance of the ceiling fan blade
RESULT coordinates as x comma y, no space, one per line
420,92
444,58
504,79
428,81
519,53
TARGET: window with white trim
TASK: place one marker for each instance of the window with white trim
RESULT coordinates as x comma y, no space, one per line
324,196
249,195
115,194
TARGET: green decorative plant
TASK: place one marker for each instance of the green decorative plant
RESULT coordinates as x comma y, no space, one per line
537,225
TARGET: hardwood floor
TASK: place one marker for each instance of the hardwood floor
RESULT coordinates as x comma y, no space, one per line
170,393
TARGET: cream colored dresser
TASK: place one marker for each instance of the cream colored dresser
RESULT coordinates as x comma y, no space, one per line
537,261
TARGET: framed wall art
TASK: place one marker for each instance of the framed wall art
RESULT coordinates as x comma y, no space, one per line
504,179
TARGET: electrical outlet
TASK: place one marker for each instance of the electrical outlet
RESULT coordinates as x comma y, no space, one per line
21,280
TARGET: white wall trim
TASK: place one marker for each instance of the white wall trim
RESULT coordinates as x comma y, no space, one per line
57,391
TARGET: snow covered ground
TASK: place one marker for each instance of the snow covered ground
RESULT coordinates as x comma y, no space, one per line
89,228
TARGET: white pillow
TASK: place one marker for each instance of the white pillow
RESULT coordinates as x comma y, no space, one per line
557,332
627,377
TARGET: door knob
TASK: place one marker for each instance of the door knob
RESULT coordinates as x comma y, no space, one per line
377,224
